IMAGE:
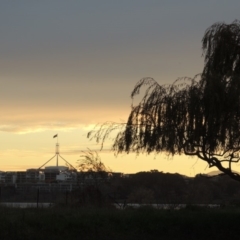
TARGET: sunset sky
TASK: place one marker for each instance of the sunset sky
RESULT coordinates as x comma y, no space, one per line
68,65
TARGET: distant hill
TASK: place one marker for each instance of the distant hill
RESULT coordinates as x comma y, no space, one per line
214,173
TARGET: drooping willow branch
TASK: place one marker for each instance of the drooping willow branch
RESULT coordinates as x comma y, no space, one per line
197,117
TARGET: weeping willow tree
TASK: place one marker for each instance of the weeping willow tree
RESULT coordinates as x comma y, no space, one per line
197,117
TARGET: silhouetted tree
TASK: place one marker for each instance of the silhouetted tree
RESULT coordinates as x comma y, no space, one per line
90,165
90,161
197,117
94,177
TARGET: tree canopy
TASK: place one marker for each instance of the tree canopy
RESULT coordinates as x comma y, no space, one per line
90,161
197,116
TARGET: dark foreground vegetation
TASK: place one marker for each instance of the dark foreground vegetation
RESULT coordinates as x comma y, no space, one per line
108,223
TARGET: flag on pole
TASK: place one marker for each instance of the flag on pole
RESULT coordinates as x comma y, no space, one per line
55,136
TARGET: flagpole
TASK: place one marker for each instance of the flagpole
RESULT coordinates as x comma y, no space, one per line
57,148
57,155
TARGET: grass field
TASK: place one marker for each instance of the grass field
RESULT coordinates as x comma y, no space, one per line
93,223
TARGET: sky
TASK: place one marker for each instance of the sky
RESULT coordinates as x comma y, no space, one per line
66,66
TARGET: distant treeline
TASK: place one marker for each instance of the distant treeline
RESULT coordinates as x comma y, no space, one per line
159,187
142,188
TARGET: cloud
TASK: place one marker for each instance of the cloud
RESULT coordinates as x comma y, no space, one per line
30,127
34,127
31,120
18,152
